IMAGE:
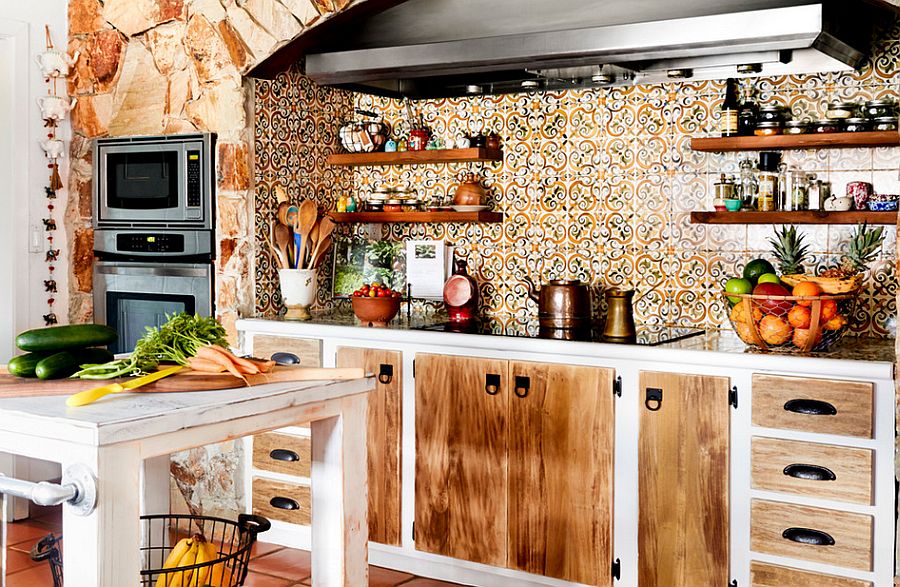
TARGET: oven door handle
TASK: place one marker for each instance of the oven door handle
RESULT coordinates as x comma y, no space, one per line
167,271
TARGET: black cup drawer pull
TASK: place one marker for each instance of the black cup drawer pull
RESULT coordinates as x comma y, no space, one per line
492,383
808,536
810,472
284,503
282,454
653,400
522,386
385,373
810,407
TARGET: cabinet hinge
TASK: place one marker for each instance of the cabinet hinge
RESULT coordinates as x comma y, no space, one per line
617,569
732,397
617,386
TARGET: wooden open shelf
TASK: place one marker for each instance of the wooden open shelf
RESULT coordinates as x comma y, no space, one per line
417,157
483,216
806,141
807,217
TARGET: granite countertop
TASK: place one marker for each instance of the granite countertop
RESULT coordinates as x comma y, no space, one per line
723,341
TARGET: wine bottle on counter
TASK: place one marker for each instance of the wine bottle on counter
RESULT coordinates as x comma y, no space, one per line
748,113
728,122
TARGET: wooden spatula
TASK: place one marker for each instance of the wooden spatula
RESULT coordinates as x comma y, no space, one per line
306,218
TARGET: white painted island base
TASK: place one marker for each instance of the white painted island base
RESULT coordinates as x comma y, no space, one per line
124,440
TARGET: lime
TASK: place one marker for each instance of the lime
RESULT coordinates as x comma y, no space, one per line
755,268
768,278
736,285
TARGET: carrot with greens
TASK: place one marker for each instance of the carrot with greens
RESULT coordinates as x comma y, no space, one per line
244,365
210,354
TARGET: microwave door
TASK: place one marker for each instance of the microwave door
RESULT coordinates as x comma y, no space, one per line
141,183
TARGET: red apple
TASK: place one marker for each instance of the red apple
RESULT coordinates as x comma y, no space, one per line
778,307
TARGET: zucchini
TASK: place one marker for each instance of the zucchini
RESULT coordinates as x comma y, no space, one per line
63,338
23,365
63,364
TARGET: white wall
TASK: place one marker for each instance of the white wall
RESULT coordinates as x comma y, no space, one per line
25,174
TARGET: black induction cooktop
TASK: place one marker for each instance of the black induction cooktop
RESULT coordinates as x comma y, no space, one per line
516,326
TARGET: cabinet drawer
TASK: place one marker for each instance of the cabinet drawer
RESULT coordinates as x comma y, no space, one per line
281,501
309,350
814,534
282,453
816,470
825,406
763,575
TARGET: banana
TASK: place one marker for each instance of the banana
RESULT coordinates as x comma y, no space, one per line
220,576
205,553
183,578
178,551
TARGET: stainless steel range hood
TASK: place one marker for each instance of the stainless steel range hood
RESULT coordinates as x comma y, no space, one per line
441,48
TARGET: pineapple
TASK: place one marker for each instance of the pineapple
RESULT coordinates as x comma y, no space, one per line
790,250
864,246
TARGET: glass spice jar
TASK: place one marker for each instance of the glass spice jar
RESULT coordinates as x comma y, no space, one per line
841,110
880,108
767,129
771,113
826,126
796,127
884,123
856,124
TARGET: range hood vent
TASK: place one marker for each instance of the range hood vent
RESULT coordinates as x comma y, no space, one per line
444,48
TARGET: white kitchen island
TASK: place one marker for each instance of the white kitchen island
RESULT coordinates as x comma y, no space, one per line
125,441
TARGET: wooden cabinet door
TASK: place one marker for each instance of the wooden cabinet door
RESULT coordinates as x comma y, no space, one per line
461,462
383,438
561,436
683,480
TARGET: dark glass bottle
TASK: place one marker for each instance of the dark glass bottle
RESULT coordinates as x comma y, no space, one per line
748,113
728,122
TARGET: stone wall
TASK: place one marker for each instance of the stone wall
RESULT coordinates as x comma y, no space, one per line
167,67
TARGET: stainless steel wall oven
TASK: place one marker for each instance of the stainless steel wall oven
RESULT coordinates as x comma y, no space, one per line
154,201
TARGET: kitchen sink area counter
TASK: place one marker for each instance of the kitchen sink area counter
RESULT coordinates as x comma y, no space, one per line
604,422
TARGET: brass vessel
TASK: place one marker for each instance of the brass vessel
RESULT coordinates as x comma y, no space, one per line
619,316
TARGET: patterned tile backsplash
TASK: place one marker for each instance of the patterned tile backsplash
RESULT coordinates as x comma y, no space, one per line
595,184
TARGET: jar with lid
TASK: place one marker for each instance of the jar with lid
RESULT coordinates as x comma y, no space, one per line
856,124
767,129
771,113
783,193
724,190
796,127
826,126
767,200
880,108
841,110
884,123
799,191
747,187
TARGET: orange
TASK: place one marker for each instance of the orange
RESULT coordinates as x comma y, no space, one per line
774,330
799,316
835,323
801,336
739,314
806,288
829,310
745,332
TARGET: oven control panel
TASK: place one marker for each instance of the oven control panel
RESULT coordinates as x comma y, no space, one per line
149,243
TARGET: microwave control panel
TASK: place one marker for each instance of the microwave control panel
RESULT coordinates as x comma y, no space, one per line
194,184
149,243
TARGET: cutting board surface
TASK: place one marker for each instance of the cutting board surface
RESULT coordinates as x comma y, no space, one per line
187,380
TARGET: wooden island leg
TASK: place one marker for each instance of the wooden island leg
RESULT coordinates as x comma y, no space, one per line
340,531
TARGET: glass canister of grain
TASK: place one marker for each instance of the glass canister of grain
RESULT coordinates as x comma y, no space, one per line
800,190
767,200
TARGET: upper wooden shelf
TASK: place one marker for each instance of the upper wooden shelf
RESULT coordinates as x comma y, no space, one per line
807,217
483,216
806,141
417,157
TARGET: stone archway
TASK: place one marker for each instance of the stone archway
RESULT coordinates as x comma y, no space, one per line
175,66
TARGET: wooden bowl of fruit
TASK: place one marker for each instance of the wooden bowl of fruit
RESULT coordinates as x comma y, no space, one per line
375,304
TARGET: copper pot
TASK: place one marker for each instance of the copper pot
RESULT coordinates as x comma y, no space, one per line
562,303
469,192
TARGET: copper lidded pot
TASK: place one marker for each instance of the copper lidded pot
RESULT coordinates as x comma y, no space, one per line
562,303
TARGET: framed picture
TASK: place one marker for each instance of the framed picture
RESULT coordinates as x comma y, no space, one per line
358,261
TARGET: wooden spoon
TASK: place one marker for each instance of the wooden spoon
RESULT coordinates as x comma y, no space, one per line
326,227
279,255
305,220
322,249
283,241
281,213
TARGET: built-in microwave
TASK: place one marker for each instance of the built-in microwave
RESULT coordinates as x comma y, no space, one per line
160,182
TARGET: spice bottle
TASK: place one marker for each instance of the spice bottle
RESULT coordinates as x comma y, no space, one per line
728,121
767,200
724,190
747,188
748,113
800,191
784,188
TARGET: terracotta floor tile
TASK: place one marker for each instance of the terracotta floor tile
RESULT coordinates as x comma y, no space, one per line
19,561
262,549
380,577
26,531
286,563
260,580
33,577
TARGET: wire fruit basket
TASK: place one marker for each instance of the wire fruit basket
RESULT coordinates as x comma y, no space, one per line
364,134
791,324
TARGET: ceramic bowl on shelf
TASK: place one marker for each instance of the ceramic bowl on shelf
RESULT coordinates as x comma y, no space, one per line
882,206
733,205
375,311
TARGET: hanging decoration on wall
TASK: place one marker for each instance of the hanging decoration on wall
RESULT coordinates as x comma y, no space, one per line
54,108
